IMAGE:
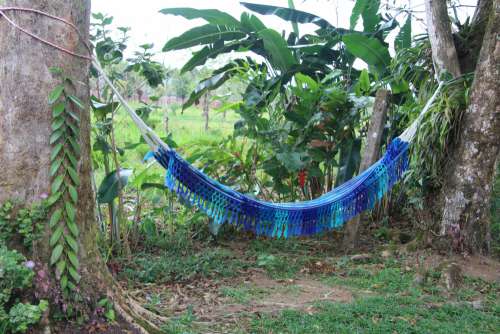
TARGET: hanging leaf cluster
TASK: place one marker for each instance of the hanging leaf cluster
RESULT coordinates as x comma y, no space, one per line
65,181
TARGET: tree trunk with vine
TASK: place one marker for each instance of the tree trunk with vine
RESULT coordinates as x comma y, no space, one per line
25,150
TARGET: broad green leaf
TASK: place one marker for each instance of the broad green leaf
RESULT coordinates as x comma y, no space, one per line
73,259
291,160
277,49
251,23
53,198
55,136
74,128
101,110
75,145
54,166
55,151
74,175
303,79
73,228
57,123
209,52
55,94
364,81
403,39
56,235
206,34
212,16
77,101
55,218
73,193
112,184
71,242
56,184
71,158
288,14
74,274
110,315
219,76
74,116
58,110
369,49
60,266
70,211
71,286
64,282
56,254
367,9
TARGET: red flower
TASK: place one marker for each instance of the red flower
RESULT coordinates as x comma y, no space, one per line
302,177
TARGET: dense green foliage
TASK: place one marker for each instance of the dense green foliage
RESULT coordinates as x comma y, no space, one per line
16,277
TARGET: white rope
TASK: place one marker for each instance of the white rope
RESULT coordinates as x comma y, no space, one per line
147,133
410,132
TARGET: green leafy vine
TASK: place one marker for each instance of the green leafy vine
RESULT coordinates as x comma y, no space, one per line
65,181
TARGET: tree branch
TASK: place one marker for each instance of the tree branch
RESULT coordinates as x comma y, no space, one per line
444,53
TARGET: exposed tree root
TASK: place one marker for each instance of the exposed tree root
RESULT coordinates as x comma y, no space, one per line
142,320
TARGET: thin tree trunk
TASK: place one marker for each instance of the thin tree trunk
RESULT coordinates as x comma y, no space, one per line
25,129
370,156
206,107
444,53
467,189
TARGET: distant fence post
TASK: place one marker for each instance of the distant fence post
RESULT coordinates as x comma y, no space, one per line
370,156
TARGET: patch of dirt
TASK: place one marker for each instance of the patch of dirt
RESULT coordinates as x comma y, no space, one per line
208,303
268,296
295,294
475,266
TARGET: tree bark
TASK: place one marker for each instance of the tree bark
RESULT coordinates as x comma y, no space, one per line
468,45
444,53
370,156
206,108
467,189
25,129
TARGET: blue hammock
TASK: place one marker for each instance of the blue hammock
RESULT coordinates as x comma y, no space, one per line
283,220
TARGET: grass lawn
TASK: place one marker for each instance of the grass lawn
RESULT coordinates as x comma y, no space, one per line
272,286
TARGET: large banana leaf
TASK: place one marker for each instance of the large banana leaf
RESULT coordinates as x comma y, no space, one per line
369,49
112,184
251,23
212,51
277,49
205,34
212,16
288,14
367,9
218,77
403,39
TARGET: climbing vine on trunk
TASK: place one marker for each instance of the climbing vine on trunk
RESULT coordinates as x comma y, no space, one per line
65,156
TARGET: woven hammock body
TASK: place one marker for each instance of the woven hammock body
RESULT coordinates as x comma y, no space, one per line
283,220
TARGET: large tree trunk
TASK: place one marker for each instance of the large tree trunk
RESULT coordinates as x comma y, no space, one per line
370,156
444,53
25,129
467,189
